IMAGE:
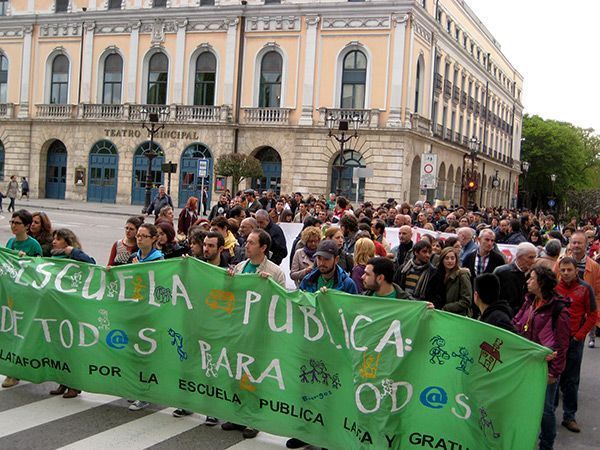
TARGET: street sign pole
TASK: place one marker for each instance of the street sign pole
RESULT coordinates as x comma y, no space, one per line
202,173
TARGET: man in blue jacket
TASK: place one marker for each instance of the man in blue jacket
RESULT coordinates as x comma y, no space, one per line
328,274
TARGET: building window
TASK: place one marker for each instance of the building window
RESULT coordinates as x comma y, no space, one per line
113,79
3,79
158,68
207,2
61,6
418,85
272,2
3,7
159,4
424,3
59,80
354,80
204,84
270,80
115,4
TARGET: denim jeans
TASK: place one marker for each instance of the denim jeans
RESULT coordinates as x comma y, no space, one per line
548,432
569,379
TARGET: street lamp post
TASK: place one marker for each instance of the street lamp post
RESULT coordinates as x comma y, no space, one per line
553,179
156,122
342,139
525,168
470,180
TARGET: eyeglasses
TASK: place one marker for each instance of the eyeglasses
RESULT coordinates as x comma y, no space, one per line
14,222
143,236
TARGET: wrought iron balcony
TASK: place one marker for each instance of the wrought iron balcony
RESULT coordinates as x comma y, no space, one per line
456,94
447,89
463,99
438,84
476,108
470,103
369,118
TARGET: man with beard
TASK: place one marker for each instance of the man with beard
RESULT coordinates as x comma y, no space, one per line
220,209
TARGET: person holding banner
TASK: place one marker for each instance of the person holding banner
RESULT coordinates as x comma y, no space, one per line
66,245
147,236
544,319
328,274
378,280
122,249
41,231
25,245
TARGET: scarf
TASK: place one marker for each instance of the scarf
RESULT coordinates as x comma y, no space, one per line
310,253
420,288
230,243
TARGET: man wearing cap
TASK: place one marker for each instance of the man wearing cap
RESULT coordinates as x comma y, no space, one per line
328,273
253,204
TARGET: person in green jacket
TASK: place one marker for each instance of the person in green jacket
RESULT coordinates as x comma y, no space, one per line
450,288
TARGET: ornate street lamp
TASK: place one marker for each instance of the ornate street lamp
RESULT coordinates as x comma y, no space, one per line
525,168
470,184
153,122
343,127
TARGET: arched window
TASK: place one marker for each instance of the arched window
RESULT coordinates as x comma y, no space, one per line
418,85
350,160
1,161
113,79
59,80
354,78
204,81
270,80
158,76
3,79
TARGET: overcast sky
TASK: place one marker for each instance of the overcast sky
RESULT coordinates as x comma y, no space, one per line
555,46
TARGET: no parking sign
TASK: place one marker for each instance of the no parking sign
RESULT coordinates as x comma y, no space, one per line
429,171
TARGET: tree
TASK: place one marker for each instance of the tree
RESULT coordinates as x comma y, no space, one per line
238,166
560,148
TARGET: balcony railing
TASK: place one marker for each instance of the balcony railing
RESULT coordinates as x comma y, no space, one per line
447,89
267,116
476,108
202,114
100,111
456,94
135,111
438,84
7,110
369,118
420,124
463,100
55,111
470,104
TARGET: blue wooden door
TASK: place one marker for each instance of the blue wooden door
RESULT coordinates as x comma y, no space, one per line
140,166
103,169
271,166
56,171
189,181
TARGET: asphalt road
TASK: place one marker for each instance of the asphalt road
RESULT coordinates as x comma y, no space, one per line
29,419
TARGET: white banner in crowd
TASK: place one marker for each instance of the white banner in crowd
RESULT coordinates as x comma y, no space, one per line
391,234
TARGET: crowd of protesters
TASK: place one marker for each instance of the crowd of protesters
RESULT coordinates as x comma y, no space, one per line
546,293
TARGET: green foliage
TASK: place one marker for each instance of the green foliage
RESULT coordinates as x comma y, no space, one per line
238,166
572,153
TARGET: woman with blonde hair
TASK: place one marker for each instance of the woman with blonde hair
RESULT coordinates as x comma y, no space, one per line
304,258
364,250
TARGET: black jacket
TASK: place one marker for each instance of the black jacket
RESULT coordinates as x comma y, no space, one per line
219,209
512,286
498,315
278,243
495,260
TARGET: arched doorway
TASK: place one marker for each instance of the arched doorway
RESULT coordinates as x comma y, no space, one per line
450,184
271,165
189,181
140,166
458,185
351,160
56,171
103,168
415,180
441,189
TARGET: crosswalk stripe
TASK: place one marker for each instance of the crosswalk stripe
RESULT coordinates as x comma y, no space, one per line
264,441
38,413
141,433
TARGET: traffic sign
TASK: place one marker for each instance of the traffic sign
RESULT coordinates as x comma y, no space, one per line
551,203
429,171
203,168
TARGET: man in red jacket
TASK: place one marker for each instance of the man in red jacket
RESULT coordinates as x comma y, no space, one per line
583,316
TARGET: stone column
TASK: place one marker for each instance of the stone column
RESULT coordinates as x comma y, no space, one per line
25,71
399,22
179,61
86,62
132,64
309,70
230,59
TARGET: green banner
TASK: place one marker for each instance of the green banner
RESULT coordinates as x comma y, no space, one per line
336,370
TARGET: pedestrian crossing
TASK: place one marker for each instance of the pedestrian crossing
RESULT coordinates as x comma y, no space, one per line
31,418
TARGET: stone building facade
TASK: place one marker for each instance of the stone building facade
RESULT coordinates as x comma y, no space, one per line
76,77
